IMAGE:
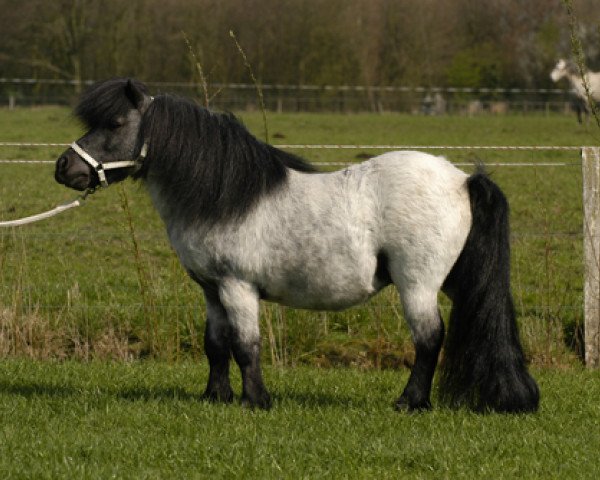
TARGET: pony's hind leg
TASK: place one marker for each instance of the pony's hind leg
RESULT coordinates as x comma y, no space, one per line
427,331
217,345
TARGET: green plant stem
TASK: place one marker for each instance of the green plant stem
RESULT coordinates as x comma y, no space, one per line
199,69
256,84
142,274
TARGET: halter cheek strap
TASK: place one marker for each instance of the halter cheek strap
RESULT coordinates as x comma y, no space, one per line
100,168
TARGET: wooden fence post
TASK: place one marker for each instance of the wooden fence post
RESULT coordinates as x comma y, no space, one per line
590,161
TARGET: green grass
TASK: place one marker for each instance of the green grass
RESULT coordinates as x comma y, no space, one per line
69,286
69,289
145,420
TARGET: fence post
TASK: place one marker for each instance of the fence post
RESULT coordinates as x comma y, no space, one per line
590,161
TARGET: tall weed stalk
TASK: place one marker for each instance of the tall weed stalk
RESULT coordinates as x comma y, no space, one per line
259,92
278,356
577,49
202,78
144,279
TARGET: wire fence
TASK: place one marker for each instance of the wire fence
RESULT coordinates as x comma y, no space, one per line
267,86
546,239
521,148
433,100
361,147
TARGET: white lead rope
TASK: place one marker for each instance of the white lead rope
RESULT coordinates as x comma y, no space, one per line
60,208
42,216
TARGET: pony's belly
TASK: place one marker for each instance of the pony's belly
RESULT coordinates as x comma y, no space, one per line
322,296
318,303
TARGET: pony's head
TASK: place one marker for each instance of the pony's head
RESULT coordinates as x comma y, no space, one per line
108,152
206,165
563,68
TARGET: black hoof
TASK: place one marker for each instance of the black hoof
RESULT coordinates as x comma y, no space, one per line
403,404
224,395
262,401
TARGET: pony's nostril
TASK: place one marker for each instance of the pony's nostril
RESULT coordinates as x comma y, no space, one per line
62,163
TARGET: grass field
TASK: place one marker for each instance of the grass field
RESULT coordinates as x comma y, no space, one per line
77,287
144,420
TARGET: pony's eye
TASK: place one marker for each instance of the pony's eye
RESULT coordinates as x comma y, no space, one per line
114,124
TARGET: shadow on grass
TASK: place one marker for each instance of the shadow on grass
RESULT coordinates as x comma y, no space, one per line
36,389
157,394
305,399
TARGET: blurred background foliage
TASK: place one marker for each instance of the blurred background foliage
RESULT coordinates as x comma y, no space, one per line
468,43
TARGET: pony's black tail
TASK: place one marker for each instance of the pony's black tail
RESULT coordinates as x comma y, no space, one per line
484,365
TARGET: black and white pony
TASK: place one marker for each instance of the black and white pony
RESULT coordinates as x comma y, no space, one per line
579,101
251,222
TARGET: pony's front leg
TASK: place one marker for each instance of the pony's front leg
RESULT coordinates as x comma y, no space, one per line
241,302
217,345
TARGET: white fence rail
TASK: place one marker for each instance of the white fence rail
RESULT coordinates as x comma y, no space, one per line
275,86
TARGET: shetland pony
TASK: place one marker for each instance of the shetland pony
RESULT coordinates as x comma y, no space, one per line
250,222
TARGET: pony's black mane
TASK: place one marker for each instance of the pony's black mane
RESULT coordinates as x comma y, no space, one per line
207,164
105,101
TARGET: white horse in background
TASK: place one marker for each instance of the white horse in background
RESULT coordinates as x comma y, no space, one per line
567,69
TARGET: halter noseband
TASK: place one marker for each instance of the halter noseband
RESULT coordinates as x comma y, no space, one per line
99,167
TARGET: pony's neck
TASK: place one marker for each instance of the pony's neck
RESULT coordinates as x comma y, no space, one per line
207,166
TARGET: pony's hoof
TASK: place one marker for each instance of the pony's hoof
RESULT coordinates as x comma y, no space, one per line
405,405
262,401
218,396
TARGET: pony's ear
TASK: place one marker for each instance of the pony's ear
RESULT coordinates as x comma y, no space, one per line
135,95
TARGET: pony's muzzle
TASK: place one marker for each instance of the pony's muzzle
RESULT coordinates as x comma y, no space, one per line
72,172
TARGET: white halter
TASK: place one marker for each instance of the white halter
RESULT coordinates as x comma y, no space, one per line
99,167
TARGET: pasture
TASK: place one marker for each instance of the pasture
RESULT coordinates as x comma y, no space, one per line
144,420
101,283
